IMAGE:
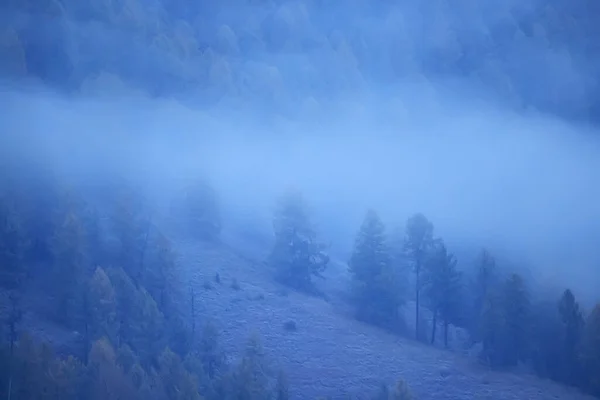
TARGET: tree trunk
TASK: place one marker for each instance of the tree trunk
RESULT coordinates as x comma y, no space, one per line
445,333
417,271
433,328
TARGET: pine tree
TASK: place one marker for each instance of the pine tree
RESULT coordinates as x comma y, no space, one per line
572,329
101,309
516,321
68,248
132,232
442,287
485,281
418,242
13,243
377,286
160,278
249,380
590,352
296,255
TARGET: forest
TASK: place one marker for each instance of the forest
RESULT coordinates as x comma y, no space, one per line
133,133
283,56
103,270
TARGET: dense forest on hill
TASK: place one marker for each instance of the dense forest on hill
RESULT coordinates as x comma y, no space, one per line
286,55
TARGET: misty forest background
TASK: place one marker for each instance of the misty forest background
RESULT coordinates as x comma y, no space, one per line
96,303
289,56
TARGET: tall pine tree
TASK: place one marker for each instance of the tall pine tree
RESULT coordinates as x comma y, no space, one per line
417,244
443,288
296,254
376,284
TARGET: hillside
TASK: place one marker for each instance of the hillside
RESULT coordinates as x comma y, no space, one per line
329,353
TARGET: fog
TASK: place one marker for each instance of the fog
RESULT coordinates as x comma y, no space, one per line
490,166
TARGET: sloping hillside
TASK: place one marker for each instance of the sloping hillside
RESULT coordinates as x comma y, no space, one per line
329,354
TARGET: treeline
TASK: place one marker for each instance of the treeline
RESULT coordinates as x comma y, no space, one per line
113,279
104,270
233,50
496,307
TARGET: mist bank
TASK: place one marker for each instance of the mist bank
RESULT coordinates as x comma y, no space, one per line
525,185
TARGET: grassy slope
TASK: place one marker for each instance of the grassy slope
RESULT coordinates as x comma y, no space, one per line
330,353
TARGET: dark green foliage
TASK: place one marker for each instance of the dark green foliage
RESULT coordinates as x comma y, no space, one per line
296,255
442,287
203,214
417,245
377,285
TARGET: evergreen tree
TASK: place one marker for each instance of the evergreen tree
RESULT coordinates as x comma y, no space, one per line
485,281
13,244
296,255
590,352
101,309
249,380
132,232
377,286
442,288
160,278
179,383
417,244
490,330
516,321
572,329
68,248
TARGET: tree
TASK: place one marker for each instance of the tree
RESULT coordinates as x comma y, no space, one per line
160,278
572,329
249,380
179,383
12,245
14,318
417,244
377,287
68,248
442,287
296,255
485,281
132,233
490,330
516,321
101,309
590,352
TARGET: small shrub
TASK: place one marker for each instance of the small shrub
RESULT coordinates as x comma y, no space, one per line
218,278
207,285
290,326
235,284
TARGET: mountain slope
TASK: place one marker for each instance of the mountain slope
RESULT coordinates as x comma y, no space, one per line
330,354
